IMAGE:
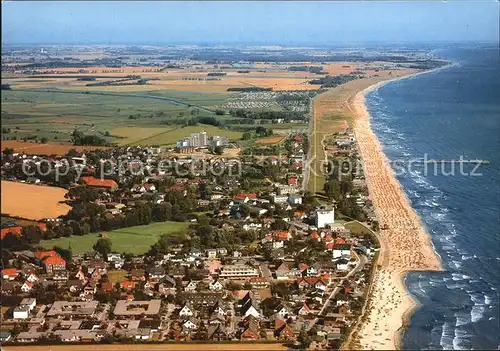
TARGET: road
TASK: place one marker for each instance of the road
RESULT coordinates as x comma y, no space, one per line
265,271
307,167
359,266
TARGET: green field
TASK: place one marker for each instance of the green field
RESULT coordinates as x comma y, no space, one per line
168,135
55,114
136,240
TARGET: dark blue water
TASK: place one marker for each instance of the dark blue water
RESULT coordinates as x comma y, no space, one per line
446,114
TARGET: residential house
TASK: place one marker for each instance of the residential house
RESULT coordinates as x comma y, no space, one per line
282,330
222,251
32,278
26,287
342,264
190,324
251,331
10,273
191,286
217,332
186,311
54,263
215,285
167,286
211,253
156,272
304,310
295,200
342,250
105,184
128,285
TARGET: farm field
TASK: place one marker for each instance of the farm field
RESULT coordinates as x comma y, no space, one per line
271,140
54,115
34,202
136,240
168,136
45,149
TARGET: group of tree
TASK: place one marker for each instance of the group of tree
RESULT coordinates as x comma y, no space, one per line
79,138
334,81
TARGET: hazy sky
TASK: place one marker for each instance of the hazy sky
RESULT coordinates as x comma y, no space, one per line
263,22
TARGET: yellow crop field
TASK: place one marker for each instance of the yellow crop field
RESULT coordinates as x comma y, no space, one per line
32,201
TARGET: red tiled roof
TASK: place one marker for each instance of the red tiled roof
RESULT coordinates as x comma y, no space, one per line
42,254
126,284
54,260
242,196
292,181
14,230
340,240
101,183
10,272
281,235
107,286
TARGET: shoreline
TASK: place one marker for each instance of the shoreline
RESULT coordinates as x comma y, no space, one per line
390,305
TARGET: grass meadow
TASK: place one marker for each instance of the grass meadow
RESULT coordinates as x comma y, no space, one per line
136,240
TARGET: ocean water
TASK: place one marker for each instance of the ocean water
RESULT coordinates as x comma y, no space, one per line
446,114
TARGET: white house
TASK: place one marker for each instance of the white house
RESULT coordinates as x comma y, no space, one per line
342,250
252,311
324,218
190,325
191,286
211,253
252,226
279,199
342,265
185,311
215,285
21,312
222,251
283,311
277,244
27,286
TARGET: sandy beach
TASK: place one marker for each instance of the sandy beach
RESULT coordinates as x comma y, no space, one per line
405,244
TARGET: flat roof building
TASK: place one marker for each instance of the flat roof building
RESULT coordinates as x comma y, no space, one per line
135,308
238,270
66,308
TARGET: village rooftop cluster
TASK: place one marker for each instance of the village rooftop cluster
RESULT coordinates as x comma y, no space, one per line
260,259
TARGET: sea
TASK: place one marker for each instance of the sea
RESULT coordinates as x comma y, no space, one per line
445,115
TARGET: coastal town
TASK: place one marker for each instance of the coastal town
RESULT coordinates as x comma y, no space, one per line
259,260
263,215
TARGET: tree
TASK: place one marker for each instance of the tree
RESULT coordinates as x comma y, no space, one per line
67,254
304,339
219,112
103,246
219,150
246,136
44,140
